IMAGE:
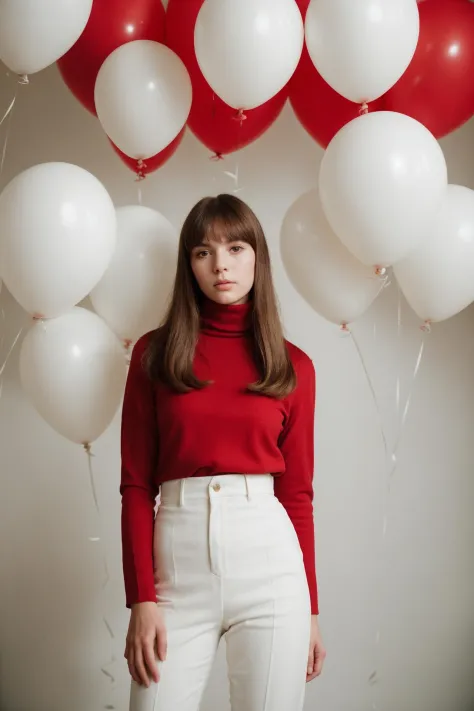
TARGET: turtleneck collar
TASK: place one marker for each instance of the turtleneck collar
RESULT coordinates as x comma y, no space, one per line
224,320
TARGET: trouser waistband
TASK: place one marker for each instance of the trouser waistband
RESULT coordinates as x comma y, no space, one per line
175,492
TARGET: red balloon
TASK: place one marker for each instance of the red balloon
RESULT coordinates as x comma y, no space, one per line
111,24
318,107
149,165
303,6
211,120
437,89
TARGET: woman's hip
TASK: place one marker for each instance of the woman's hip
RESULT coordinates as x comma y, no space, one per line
228,525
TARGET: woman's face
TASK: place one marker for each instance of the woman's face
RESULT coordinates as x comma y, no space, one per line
224,271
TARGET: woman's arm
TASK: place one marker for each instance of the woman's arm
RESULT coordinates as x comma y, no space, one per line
139,448
294,488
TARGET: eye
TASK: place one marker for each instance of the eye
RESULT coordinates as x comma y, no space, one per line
236,248
201,254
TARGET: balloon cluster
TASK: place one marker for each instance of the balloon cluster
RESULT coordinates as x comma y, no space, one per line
61,240
244,59
146,78
375,83
433,86
384,198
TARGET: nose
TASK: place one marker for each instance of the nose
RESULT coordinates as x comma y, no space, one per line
220,261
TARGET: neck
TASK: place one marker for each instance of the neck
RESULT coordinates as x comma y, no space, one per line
226,320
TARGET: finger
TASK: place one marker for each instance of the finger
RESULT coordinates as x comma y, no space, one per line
310,665
150,661
319,661
161,645
131,666
140,666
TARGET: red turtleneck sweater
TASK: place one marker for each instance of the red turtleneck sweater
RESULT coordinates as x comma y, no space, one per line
222,428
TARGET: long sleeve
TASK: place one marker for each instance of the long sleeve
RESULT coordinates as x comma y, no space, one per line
139,449
294,488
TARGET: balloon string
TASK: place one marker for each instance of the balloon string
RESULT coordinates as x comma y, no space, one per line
372,391
374,678
235,175
10,109
410,394
2,341
88,450
392,464
383,285
8,114
399,332
3,366
105,667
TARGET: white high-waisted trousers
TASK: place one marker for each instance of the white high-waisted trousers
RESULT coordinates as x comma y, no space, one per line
228,562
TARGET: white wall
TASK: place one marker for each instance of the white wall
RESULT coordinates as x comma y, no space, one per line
52,637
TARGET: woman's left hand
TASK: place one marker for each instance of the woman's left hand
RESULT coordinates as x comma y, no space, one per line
317,653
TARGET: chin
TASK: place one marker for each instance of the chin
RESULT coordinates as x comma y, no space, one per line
228,297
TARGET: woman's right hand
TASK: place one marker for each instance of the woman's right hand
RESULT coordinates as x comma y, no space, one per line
146,632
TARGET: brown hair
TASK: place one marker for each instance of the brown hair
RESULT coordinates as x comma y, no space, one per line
170,354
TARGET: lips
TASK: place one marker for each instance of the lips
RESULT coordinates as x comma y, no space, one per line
221,283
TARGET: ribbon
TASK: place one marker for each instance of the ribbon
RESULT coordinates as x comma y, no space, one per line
392,461
10,351
105,667
7,115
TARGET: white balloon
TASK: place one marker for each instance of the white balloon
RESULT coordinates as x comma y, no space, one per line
248,49
362,47
35,34
57,236
322,270
73,370
132,295
143,97
437,279
381,180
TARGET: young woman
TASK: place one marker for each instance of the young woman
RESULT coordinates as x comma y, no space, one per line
218,417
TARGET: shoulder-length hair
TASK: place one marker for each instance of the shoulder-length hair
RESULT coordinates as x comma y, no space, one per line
170,353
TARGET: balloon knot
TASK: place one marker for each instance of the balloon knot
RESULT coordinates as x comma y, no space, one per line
217,156
37,316
23,79
240,116
426,326
364,108
87,448
141,167
344,328
380,271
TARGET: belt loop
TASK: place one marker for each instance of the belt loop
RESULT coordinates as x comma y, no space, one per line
181,492
247,486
